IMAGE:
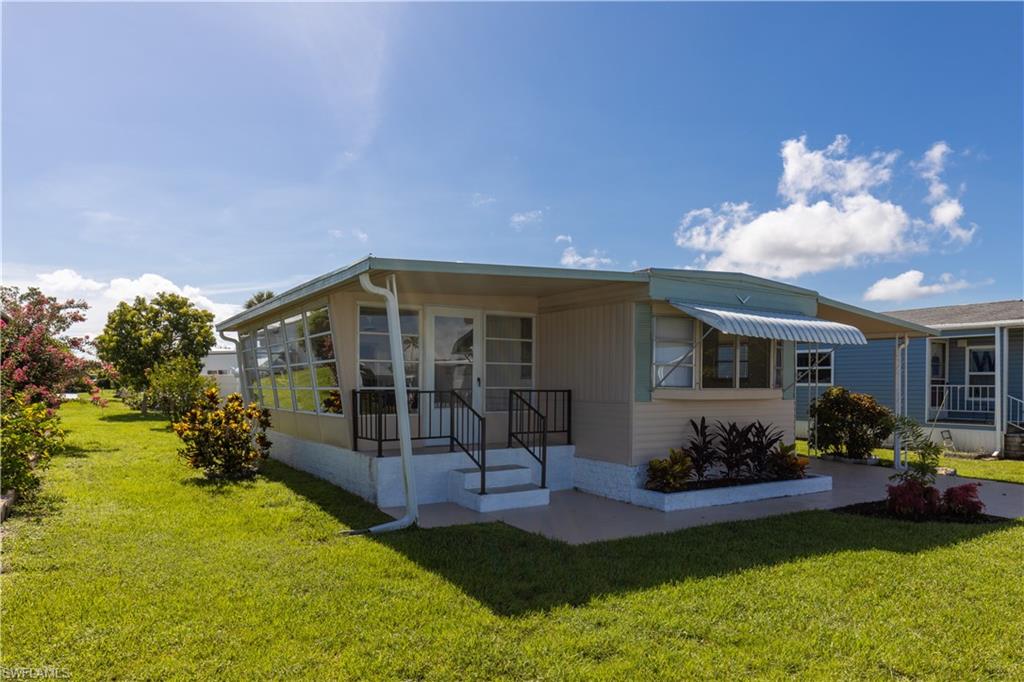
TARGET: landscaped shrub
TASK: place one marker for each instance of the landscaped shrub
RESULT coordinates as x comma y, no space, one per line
733,447
784,464
175,386
31,435
849,424
669,475
762,444
701,448
225,441
912,499
963,500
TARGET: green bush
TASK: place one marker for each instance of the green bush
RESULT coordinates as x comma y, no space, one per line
176,386
225,441
31,435
669,475
701,448
849,424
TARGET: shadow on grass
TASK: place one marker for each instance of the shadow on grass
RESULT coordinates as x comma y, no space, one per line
514,572
133,417
218,486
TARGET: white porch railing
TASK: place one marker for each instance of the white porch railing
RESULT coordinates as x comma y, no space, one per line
1015,412
971,401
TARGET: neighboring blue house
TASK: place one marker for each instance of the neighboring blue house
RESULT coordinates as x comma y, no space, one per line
968,380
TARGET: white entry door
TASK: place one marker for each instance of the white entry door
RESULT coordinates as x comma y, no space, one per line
453,353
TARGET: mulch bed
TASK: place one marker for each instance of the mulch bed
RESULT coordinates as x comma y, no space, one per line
880,510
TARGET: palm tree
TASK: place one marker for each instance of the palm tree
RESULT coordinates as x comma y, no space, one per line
259,297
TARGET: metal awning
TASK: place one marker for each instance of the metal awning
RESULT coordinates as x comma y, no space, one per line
766,324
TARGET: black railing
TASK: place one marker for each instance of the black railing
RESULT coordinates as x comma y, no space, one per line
469,432
375,417
527,427
554,404
433,416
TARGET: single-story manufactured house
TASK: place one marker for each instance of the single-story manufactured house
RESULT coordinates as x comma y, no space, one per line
222,366
521,380
966,383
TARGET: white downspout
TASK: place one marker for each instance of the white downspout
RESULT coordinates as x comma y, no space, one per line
238,359
401,406
1000,389
897,459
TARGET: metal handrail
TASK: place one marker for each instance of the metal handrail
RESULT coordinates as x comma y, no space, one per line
1015,412
526,421
554,404
470,433
374,414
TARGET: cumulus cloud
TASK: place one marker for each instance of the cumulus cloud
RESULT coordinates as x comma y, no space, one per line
831,217
520,220
567,238
103,297
946,211
910,285
571,258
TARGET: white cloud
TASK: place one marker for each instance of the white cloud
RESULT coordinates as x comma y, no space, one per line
479,199
808,173
567,238
572,259
519,220
831,217
946,211
363,237
103,297
910,285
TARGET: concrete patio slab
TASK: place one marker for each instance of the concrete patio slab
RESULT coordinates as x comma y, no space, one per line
578,518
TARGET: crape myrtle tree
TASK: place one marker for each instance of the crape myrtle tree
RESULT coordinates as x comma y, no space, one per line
142,334
40,359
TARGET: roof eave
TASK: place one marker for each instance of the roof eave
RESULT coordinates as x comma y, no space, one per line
918,329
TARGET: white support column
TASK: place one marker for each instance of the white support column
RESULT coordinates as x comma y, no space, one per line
897,403
1000,388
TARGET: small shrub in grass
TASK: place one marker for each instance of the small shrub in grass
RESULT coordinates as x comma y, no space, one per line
849,424
669,475
31,435
962,500
176,385
225,441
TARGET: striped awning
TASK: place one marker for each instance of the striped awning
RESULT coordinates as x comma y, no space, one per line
766,324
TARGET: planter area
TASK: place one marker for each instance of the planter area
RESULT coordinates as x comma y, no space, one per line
869,461
713,497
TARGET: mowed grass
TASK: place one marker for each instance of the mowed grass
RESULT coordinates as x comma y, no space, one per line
135,568
1009,470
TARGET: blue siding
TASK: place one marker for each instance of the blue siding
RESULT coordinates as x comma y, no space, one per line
861,369
1015,365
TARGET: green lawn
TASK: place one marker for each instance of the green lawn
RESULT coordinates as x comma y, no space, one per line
134,568
1011,471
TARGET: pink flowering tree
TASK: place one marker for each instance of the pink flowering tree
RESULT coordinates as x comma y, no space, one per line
40,359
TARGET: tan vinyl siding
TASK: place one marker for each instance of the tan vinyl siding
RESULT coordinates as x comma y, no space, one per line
590,351
663,424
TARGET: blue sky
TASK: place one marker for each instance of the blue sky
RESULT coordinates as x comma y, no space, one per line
870,151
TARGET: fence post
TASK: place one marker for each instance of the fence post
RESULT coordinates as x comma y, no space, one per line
544,452
568,419
511,393
380,429
355,420
451,422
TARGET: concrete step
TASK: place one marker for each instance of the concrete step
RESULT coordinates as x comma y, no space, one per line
502,475
502,497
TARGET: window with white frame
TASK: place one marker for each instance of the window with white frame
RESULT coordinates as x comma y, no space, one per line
981,365
814,367
673,352
290,364
730,361
509,358
375,350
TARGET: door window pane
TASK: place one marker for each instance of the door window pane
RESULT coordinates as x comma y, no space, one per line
453,339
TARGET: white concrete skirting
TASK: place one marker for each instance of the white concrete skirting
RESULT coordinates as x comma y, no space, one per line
379,479
693,499
607,479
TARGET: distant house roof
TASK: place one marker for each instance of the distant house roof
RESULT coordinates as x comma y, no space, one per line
968,315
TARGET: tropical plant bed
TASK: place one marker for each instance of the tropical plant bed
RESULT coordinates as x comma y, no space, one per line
869,461
880,509
732,492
